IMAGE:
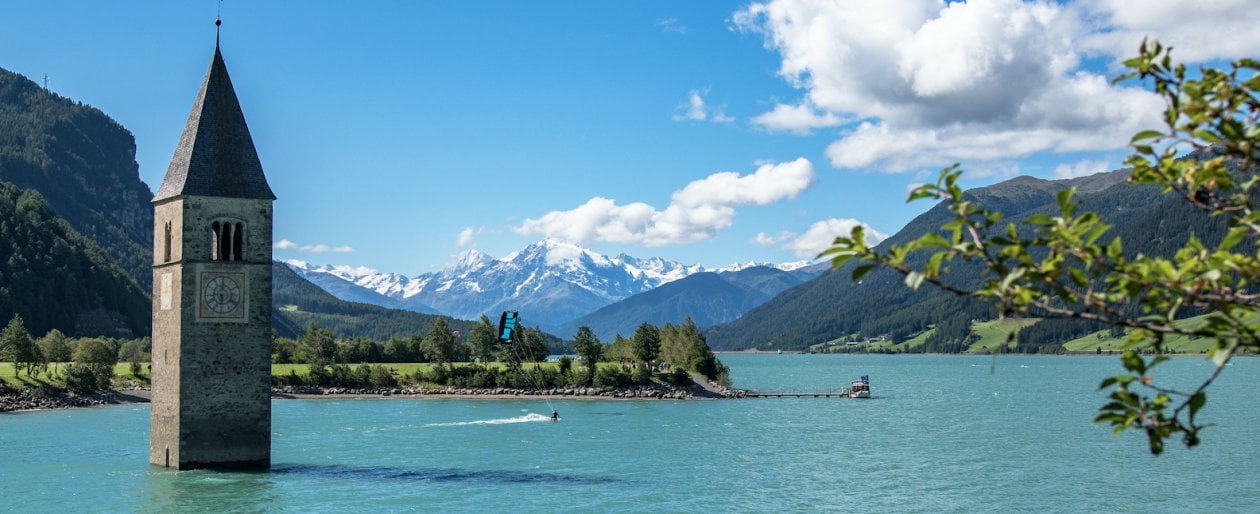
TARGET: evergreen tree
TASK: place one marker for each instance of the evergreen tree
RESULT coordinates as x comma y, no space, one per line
647,343
316,347
26,355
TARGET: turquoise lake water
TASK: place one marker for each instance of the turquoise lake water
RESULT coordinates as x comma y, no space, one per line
942,434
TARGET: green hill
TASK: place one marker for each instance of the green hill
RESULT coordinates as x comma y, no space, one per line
833,306
84,165
55,278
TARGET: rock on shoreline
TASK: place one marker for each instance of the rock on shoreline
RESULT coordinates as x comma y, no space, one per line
46,399
639,392
50,398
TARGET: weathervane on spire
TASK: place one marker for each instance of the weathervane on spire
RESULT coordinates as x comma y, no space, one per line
218,22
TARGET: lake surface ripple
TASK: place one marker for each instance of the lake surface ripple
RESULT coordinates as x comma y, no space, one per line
943,434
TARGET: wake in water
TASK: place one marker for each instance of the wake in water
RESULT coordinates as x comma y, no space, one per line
528,418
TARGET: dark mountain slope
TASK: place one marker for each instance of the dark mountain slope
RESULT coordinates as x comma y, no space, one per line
55,278
832,305
708,298
84,165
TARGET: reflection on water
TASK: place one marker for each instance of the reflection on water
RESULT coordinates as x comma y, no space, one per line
432,474
201,490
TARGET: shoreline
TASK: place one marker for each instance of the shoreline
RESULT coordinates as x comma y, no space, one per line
43,399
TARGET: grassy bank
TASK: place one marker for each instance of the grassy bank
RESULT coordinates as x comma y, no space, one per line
122,372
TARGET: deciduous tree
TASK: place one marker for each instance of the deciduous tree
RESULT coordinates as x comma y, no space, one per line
482,340
440,343
589,350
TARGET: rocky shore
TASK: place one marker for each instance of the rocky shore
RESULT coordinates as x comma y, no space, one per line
636,392
49,398
44,399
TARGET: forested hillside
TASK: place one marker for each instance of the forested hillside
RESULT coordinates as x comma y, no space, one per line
833,306
707,298
296,302
55,278
84,165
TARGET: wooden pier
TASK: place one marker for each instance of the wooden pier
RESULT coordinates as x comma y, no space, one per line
842,393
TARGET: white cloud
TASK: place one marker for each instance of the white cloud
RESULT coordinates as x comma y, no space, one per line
697,110
671,25
798,119
466,236
937,82
765,239
818,237
285,244
1198,30
1080,169
696,212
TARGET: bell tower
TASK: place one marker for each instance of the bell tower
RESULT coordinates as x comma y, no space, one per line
211,405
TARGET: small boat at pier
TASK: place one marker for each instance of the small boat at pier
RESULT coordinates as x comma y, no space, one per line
860,388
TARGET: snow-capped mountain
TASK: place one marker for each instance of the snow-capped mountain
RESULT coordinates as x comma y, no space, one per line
549,282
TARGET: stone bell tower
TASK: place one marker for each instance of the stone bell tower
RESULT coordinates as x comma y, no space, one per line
211,404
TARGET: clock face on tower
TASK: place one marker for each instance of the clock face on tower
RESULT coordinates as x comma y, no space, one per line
222,296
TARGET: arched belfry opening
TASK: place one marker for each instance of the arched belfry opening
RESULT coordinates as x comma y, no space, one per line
166,243
227,240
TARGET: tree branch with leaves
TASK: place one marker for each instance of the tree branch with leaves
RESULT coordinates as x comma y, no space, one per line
1066,266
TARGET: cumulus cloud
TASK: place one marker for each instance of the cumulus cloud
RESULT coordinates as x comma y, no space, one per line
818,237
696,212
465,237
284,244
798,119
937,82
697,110
1081,169
1199,30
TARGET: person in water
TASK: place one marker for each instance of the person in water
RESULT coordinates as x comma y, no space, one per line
555,416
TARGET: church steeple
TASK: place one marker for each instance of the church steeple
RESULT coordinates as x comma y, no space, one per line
212,258
216,155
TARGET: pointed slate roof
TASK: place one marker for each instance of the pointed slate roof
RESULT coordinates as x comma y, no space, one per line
215,156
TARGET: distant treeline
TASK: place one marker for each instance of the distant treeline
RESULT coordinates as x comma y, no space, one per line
678,348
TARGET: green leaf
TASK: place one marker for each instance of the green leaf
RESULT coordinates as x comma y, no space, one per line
1197,401
1234,236
1145,134
861,271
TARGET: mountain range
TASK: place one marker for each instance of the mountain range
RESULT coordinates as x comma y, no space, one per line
880,305
77,247
550,282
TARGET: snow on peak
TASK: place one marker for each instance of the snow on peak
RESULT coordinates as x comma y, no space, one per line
793,266
740,266
555,279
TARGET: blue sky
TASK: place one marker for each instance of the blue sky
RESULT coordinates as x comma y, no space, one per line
398,134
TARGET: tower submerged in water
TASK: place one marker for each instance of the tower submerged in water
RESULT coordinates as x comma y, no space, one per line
211,405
